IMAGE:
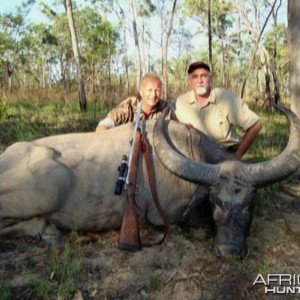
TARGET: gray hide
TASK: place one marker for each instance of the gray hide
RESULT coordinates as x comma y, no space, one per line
69,181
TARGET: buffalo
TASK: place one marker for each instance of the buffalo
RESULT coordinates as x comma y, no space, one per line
68,181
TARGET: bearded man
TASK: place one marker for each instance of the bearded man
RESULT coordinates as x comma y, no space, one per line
216,112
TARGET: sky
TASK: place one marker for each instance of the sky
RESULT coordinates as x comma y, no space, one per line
8,6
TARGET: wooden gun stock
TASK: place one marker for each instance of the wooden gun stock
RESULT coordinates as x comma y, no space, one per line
130,235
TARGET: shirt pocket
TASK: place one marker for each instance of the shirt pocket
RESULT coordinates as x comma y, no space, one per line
219,124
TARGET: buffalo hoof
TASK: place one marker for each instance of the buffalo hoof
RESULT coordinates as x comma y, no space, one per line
226,251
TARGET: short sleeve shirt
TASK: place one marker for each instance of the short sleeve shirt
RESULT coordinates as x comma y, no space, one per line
126,111
218,118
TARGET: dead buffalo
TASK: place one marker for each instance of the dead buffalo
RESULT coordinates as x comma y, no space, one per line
69,181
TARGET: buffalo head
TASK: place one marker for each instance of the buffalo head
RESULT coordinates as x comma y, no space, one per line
232,183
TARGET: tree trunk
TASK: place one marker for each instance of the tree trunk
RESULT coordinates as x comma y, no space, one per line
256,36
166,36
125,48
82,97
136,43
276,95
209,35
9,70
294,53
268,98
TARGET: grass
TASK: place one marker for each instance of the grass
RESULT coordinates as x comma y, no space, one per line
156,281
263,267
65,266
28,121
272,138
60,278
5,291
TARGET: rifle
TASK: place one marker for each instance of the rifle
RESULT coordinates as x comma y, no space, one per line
129,238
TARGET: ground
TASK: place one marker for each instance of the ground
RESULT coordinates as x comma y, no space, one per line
183,267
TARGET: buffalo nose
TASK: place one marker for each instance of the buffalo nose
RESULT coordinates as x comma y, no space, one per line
228,251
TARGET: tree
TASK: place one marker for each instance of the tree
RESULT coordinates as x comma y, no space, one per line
123,25
98,41
256,32
294,53
13,28
82,97
166,36
214,18
136,44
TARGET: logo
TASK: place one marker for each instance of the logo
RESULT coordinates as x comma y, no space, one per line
279,283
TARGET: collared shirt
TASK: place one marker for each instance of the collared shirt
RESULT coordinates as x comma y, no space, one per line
125,112
219,118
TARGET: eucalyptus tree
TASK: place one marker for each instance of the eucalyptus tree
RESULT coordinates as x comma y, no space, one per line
253,24
278,50
12,27
122,20
6,43
82,96
145,10
37,54
213,17
63,49
109,9
136,43
166,20
98,43
274,52
294,53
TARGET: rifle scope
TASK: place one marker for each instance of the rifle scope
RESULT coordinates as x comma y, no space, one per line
123,168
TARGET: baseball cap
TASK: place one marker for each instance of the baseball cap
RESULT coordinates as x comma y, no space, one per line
198,65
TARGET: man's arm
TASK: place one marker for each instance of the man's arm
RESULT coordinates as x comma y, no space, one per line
121,114
101,127
248,139
105,124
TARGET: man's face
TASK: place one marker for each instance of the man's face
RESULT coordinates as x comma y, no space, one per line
150,92
199,81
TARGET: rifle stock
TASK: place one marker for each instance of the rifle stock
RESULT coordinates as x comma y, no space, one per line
129,238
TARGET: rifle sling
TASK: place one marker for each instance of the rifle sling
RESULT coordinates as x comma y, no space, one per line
153,192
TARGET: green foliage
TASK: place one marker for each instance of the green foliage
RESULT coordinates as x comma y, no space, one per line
24,132
97,36
41,286
5,291
156,280
65,266
145,8
3,108
220,14
263,267
272,138
30,120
